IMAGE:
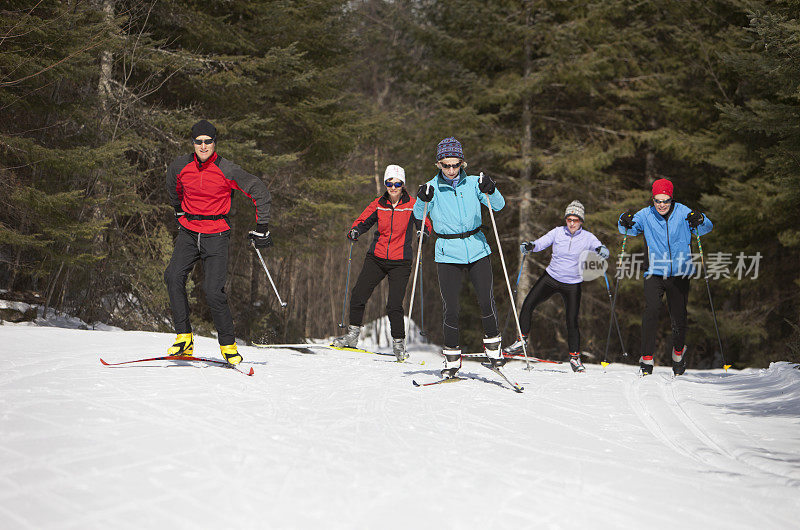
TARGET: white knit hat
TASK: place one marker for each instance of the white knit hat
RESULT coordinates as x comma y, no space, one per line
575,208
394,172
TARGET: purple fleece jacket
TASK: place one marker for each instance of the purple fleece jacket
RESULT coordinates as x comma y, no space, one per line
564,265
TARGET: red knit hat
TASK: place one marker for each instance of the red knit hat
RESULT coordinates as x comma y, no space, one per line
662,186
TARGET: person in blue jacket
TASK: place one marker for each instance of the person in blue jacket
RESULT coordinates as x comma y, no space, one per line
668,227
454,201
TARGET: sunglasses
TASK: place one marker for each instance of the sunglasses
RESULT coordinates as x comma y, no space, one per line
197,141
665,201
449,166
395,184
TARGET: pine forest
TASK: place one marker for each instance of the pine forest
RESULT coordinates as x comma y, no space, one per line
556,100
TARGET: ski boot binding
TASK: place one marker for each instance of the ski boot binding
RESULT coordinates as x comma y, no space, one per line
452,362
679,361
399,349
517,347
491,347
646,364
183,347
231,353
575,362
350,339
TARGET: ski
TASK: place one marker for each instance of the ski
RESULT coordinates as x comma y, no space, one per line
216,362
332,347
440,381
516,386
518,357
359,350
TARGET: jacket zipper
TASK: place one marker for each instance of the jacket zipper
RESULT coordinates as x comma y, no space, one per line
391,230
459,201
669,248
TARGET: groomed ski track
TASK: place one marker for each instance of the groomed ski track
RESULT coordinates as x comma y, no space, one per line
336,439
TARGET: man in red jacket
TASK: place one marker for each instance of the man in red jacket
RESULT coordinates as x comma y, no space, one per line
200,186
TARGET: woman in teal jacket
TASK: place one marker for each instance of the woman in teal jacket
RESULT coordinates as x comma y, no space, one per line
668,227
454,201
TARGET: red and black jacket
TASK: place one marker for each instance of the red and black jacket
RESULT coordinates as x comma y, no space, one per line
395,230
203,191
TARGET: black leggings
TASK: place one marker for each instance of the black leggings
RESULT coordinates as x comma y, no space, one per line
545,287
450,277
677,291
372,273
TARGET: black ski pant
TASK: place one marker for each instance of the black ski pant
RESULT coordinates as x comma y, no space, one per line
372,273
450,278
545,287
213,250
677,291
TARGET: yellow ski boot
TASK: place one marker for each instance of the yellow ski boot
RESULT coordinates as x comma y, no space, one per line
183,347
230,353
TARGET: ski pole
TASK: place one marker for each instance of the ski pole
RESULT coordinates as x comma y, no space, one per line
421,302
261,258
613,306
347,283
508,282
516,285
710,301
416,266
614,315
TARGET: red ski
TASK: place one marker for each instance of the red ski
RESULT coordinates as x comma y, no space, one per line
518,357
217,362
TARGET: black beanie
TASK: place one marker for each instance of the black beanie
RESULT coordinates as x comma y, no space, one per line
204,127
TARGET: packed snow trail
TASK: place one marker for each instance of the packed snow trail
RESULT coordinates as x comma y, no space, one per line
339,439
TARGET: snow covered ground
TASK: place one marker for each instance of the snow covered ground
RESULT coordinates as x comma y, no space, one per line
343,440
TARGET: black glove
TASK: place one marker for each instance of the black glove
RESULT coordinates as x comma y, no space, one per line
526,247
425,192
695,219
486,185
626,220
352,235
260,236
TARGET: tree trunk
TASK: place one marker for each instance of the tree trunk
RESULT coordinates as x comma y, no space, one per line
525,180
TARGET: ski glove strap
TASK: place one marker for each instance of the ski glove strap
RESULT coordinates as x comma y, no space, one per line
486,185
626,220
695,219
425,192
260,236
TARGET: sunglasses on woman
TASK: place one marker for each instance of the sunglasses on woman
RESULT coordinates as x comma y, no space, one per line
395,184
665,201
198,141
449,166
